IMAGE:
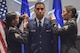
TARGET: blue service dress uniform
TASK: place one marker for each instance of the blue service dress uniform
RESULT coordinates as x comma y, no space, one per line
40,40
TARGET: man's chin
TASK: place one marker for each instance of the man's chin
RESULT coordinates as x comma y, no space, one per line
40,15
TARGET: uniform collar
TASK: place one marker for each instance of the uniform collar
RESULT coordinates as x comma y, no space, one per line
42,20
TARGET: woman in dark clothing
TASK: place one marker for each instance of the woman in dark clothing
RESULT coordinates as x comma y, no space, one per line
14,36
68,32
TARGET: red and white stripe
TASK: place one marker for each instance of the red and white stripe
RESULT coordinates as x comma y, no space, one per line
3,44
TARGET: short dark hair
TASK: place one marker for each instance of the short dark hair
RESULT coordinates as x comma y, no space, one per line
39,3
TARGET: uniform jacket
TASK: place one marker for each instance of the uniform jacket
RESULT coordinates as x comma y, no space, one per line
40,41
15,38
68,34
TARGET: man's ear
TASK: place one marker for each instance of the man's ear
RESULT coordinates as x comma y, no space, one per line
34,10
45,10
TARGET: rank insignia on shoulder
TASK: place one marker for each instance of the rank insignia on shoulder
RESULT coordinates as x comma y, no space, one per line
66,27
17,35
12,28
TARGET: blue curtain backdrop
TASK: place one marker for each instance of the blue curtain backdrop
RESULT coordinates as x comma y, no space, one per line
24,9
58,11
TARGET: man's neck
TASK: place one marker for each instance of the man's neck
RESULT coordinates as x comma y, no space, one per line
39,18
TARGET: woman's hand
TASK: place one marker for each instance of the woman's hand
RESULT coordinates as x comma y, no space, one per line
25,20
52,17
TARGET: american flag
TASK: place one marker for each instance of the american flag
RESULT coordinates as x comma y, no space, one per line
3,10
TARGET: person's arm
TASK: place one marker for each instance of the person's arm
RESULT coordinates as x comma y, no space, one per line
25,26
66,29
22,18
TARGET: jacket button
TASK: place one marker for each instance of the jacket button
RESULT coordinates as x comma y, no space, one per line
40,36
40,47
40,41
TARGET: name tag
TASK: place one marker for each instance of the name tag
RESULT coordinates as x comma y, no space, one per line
33,30
48,30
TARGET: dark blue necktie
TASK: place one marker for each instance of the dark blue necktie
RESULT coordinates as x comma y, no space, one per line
40,25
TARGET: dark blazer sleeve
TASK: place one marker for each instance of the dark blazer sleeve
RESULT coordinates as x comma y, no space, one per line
68,28
17,36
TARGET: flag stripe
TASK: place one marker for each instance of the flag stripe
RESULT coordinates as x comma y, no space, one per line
1,48
0,51
2,39
2,32
3,43
3,10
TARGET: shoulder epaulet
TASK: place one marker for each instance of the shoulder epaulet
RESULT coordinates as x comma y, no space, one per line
12,28
72,21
